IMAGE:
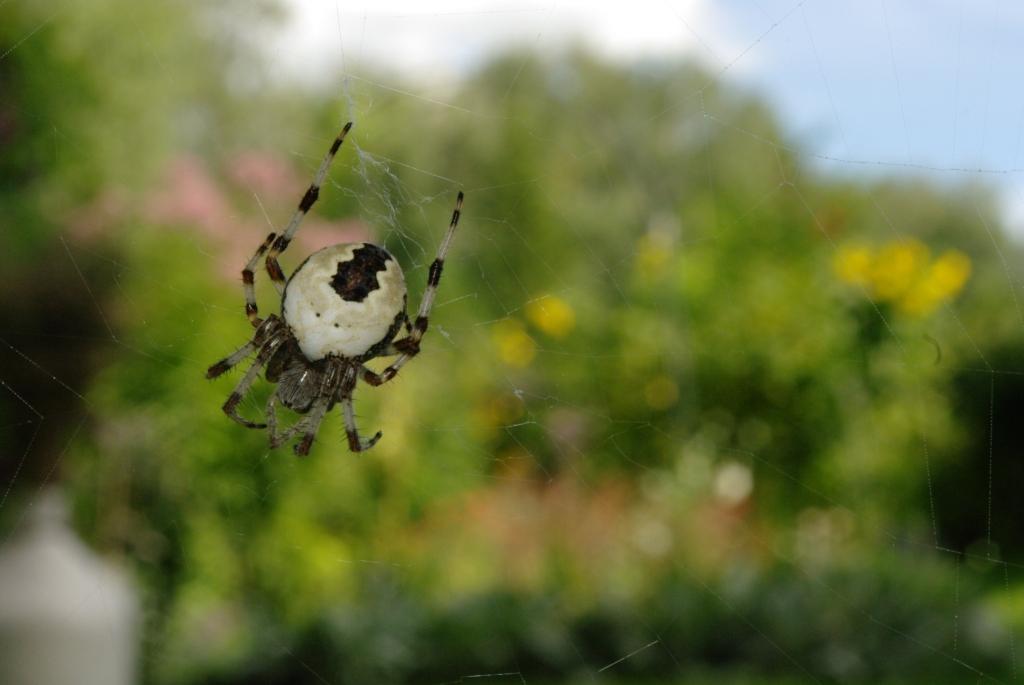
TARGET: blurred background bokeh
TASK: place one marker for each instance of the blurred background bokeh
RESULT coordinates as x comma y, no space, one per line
702,400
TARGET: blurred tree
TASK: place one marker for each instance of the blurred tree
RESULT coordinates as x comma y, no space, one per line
84,123
92,97
681,389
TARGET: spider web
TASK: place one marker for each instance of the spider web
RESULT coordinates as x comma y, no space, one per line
868,97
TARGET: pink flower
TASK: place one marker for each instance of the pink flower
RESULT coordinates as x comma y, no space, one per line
190,196
317,233
266,175
91,221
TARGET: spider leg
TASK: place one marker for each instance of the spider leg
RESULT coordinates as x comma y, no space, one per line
335,376
355,443
248,279
231,405
311,423
278,439
231,360
373,378
409,347
281,244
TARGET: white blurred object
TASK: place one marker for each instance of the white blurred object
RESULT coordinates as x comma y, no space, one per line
65,615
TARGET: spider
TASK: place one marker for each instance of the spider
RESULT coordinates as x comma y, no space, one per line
341,307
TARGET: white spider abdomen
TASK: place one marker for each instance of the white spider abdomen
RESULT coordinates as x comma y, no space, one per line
343,300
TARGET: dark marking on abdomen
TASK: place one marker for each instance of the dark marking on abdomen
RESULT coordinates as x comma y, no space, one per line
357,277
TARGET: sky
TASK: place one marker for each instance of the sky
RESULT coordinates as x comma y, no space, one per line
872,87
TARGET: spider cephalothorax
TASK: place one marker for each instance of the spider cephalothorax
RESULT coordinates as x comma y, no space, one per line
343,306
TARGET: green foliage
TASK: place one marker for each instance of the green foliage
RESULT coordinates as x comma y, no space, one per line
650,403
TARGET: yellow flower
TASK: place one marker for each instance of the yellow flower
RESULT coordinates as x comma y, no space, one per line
903,273
896,268
515,347
852,264
950,272
552,315
661,392
944,278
